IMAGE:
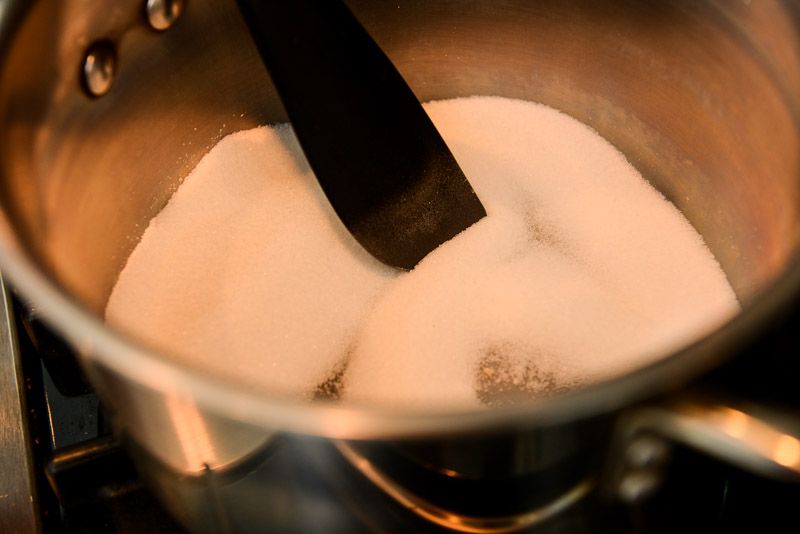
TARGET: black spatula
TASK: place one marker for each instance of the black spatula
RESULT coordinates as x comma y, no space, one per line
385,169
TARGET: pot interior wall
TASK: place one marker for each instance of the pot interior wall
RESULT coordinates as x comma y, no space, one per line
700,96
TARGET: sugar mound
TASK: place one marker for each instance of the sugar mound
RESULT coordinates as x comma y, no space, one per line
580,271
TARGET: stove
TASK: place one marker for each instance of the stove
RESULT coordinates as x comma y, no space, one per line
78,478
62,468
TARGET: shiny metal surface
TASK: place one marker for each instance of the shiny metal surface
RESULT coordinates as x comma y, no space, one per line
18,510
179,433
702,97
641,466
99,68
636,486
460,522
757,440
161,14
647,452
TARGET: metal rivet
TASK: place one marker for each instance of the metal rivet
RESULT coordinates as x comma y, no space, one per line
638,485
99,68
647,451
161,14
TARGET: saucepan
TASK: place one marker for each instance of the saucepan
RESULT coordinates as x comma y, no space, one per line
106,106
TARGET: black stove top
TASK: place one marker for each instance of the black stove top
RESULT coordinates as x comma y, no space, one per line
85,482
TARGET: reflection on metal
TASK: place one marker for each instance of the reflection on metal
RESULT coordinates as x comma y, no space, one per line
455,521
193,436
184,436
647,452
162,14
17,508
638,468
99,69
769,448
637,485
787,452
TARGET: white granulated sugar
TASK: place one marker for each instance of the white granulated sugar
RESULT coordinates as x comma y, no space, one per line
247,272
580,271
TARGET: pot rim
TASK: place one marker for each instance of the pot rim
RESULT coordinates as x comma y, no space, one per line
113,351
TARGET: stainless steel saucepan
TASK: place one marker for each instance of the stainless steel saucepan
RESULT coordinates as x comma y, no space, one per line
106,106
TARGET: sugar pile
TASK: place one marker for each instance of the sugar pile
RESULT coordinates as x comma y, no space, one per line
580,271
